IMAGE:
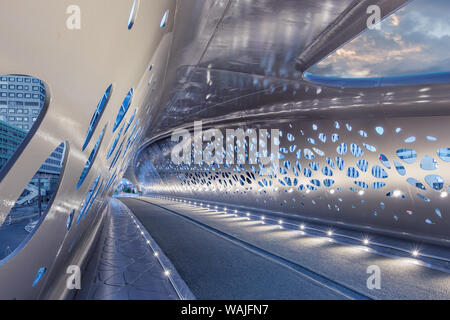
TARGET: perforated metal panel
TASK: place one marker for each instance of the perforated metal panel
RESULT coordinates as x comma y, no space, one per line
386,174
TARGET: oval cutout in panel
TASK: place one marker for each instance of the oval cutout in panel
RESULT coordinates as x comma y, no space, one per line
370,147
378,185
309,155
87,202
39,275
130,121
379,173
32,206
416,183
428,163
90,161
123,109
97,115
434,181
70,219
444,154
114,144
356,150
164,19
352,172
400,168
363,165
342,149
379,130
133,14
384,160
407,155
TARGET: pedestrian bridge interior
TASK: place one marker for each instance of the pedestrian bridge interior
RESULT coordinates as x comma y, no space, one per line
352,205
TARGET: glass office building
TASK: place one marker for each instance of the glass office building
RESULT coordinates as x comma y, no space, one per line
10,139
21,102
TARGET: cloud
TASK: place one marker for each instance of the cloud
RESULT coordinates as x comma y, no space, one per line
416,39
395,21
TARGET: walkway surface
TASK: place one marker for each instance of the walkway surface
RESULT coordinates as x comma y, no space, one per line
223,256
123,266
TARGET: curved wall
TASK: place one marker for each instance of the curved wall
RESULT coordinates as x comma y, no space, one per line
77,65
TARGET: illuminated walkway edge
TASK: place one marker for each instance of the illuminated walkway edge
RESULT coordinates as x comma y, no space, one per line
128,264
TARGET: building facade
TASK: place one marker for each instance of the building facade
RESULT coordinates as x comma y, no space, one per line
10,139
21,102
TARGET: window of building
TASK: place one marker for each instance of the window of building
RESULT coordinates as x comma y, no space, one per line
14,129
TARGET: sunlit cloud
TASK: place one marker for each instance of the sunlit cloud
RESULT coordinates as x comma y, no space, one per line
395,21
414,40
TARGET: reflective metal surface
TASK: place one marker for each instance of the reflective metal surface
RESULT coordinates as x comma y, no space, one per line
244,87
229,63
371,174
236,55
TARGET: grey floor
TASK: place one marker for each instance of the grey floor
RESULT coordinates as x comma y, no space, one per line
123,266
215,267
221,257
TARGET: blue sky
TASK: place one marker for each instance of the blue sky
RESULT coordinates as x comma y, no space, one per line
414,39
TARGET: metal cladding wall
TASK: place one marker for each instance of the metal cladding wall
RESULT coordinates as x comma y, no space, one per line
386,159
373,174
77,66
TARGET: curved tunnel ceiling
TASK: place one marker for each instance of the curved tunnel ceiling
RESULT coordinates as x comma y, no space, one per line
243,55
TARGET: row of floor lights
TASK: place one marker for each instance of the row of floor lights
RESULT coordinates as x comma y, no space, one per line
366,242
155,253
